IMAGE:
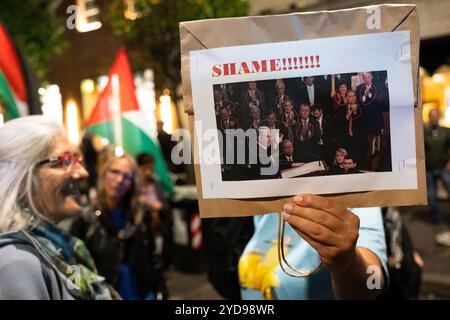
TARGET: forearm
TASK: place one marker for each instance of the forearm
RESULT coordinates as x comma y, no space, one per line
352,283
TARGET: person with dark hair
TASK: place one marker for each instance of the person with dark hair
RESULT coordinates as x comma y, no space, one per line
339,97
226,121
289,115
158,204
350,164
327,135
307,136
255,118
166,144
437,150
90,158
272,123
355,128
311,93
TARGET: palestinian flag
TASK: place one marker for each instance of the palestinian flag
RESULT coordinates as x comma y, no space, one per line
118,118
8,106
12,80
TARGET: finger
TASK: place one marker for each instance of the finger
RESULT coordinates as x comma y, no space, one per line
321,217
321,249
321,203
313,230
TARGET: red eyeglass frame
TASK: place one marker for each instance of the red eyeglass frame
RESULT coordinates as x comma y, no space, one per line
59,161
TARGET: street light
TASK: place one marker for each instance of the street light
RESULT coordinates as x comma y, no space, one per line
72,122
165,110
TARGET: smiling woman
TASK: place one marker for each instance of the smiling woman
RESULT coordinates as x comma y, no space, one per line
40,174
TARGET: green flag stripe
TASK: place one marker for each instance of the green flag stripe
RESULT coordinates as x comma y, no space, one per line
7,99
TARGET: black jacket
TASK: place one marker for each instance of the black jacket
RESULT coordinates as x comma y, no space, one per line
110,248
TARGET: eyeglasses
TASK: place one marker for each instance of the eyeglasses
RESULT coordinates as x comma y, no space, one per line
62,161
127,176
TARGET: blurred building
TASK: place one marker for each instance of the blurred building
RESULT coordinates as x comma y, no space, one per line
80,71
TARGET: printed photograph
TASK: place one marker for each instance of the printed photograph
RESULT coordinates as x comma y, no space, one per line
307,126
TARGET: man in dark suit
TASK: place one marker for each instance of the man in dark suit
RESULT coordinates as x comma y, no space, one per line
327,134
251,97
280,98
226,121
374,100
307,136
310,94
288,158
272,123
255,118
262,162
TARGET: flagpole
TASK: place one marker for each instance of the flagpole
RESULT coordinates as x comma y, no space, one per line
116,112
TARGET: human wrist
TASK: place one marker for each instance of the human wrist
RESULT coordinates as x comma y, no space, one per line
346,266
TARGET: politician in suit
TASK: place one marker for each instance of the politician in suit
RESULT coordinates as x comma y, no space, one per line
272,123
307,136
262,162
252,96
310,94
374,100
288,158
327,134
226,121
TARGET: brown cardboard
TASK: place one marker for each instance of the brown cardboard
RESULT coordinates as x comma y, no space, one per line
215,33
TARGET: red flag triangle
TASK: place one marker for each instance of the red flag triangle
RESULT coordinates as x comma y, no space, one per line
10,65
128,102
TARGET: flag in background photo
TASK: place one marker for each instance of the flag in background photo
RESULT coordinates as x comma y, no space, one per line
117,117
12,71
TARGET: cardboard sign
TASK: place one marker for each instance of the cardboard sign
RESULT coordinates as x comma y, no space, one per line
301,91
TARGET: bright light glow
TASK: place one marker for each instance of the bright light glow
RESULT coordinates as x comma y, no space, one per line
118,151
447,116
437,77
87,86
145,94
72,122
102,81
104,141
130,11
447,108
87,16
166,113
114,109
2,120
52,103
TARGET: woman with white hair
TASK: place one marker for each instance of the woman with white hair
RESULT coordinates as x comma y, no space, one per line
40,173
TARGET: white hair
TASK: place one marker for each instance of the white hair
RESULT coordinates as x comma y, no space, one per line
23,142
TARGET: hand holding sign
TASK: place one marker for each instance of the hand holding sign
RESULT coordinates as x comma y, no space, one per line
328,227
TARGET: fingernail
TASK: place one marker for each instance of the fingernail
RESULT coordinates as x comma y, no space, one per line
298,198
285,215
287,207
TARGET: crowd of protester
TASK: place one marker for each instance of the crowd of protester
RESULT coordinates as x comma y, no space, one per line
315,117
